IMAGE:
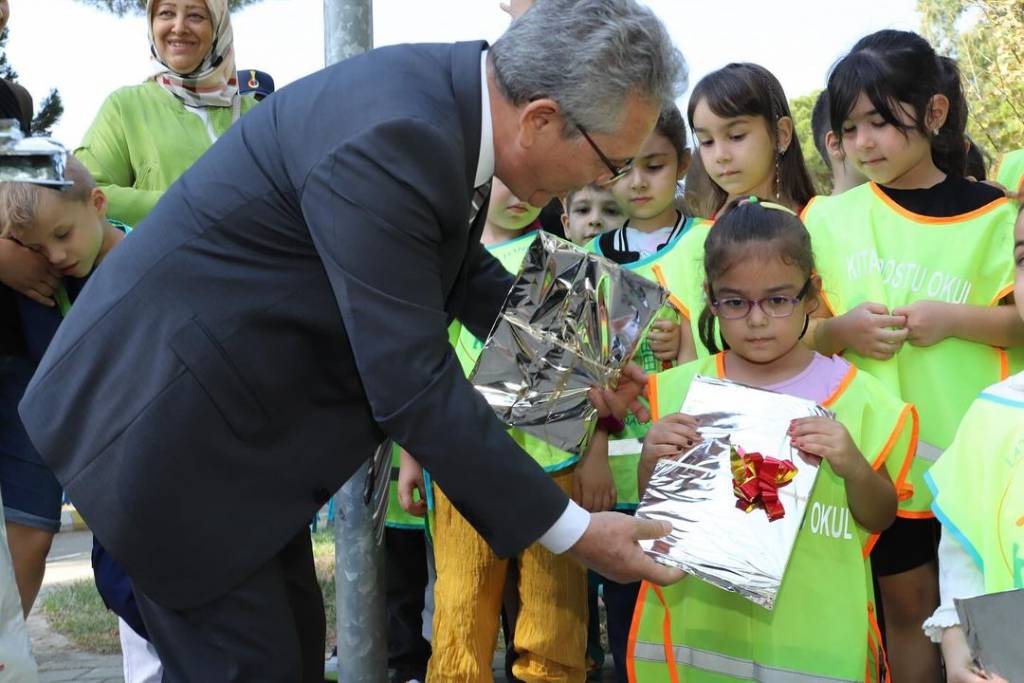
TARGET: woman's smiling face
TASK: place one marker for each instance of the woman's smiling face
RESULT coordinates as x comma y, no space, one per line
183,33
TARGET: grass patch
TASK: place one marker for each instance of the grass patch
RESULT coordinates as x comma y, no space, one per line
323,561
76,611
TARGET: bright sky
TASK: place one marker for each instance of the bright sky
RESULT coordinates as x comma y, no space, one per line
87,54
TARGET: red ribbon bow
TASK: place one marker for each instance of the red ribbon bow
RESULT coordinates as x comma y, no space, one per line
756,480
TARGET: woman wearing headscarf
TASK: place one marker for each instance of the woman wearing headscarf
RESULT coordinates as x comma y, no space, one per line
147,135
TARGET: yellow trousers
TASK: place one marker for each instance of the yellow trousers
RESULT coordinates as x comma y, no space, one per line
551,631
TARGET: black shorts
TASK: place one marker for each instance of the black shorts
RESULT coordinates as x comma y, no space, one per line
31,494
906,545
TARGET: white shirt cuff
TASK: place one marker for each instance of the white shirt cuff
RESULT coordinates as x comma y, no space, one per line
564,533
959,577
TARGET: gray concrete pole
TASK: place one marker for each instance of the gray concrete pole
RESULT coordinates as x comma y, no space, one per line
359,564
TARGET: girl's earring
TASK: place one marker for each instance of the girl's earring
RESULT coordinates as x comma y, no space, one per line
778,176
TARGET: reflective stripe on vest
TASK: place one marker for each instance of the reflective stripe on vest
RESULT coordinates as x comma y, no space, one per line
927,451
727,666
621,447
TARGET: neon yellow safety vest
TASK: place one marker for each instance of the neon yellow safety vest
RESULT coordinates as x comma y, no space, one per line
978,485
868,248
823,626
1010,172
675,272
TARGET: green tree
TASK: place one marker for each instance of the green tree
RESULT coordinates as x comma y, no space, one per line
821,174
49,111
984,36
122,7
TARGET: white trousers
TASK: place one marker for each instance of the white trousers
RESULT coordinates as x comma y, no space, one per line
141,663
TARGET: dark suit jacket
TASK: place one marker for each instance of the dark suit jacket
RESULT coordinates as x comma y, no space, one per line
283,308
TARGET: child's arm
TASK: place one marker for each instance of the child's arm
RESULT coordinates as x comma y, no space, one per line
870,494
869,329
664,339
410,480
27,272
687,346
959,663
593,487
929,322
668,437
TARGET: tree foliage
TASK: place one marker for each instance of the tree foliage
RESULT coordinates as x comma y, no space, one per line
801,108
984,36
122,7
49,111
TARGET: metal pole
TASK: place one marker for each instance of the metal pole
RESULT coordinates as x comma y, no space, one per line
359,560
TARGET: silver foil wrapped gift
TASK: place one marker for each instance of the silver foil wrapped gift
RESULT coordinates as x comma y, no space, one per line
711,538
31,160
572,320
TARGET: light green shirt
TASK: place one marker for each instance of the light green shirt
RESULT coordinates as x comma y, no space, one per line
142,139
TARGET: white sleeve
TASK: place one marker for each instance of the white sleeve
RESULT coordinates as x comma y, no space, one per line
566,530
959,577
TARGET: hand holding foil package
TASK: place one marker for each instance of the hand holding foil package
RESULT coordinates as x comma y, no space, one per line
718,534
572,320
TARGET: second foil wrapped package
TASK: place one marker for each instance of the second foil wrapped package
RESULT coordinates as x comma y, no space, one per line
572,320
737,499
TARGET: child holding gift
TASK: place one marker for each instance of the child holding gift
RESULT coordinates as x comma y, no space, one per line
761,288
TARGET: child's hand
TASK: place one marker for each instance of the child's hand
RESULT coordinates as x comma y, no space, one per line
825,438
410,479
515,8
593,486
927,321
664,339
27,272
869,330
669,436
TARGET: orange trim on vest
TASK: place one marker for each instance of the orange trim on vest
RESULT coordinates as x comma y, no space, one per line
1004,364
720,364
875,638
1002,294
807,208
673,299
901,482
666,633
634,628
883,455
652,398
935,220
843,386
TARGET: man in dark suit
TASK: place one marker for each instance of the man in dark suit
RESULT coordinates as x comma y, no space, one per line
285,307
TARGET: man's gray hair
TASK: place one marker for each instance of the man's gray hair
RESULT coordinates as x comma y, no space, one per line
589,56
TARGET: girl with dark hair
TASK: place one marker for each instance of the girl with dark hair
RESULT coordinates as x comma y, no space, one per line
915,264
649,244
761,287
742,123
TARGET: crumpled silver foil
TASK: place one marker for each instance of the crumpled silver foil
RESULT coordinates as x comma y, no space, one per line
711,538
31,160
572,320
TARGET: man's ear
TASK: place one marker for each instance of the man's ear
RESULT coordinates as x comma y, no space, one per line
783,134
538,119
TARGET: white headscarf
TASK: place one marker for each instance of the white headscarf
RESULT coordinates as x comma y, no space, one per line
214,83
